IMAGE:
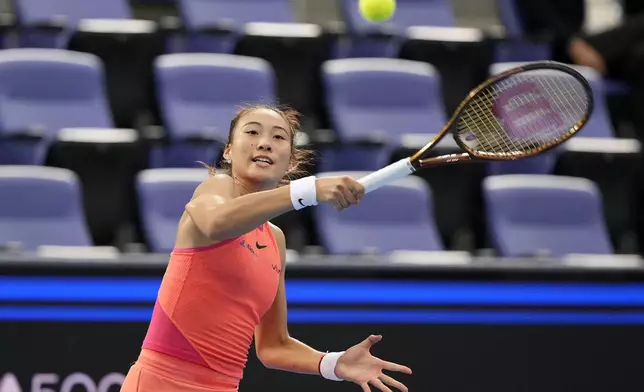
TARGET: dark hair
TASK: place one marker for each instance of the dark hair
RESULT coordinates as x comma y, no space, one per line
299,157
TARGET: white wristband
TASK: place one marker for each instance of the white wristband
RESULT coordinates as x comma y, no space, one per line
327,365
303,193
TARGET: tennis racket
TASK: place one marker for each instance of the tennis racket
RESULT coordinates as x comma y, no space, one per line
518,113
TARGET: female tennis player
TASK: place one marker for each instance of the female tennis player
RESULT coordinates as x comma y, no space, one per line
225,278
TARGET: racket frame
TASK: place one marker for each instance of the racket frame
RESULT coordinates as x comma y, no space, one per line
418,162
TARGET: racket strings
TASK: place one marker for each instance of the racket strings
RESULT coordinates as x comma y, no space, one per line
523,114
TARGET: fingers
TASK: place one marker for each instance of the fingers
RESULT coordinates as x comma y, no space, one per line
394,367
393,383
365,387
371,340
379,384
347,192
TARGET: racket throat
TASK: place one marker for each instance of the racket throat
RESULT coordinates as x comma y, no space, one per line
444,159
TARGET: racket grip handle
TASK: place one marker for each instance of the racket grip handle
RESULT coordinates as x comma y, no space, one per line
387,174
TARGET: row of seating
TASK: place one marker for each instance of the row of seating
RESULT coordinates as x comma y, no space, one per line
420,30
378,101
53,110
526,214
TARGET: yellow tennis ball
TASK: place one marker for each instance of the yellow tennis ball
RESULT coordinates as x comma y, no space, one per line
377,10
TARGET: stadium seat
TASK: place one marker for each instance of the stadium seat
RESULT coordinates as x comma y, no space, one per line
514,45
547,215
53,109
104,28
373,39
199,94
267,29
162,196
594,153
397,103
398,216
378,101
47,24
41,206
43,91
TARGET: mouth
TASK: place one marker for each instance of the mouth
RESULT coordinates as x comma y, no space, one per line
263,160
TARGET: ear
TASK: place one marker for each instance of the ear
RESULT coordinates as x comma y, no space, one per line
226,154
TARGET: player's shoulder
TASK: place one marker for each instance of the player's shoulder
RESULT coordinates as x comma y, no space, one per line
278,234
218,183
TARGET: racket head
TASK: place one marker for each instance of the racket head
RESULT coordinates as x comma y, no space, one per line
523,111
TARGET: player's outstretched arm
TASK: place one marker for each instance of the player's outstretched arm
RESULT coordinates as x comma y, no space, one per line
277,350
220,216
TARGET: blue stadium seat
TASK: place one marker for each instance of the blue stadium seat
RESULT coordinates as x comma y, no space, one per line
398,216
162,196
528,215
199,93
41,206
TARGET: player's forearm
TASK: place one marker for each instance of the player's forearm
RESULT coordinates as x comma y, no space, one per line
292,356
240,215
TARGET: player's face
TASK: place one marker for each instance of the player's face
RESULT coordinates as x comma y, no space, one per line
260,151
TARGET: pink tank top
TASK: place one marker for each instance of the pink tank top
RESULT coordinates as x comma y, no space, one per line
212,298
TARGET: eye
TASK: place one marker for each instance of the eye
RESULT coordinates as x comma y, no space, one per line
252,132
280,137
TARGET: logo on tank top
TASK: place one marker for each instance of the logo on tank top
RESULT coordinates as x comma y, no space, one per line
248,246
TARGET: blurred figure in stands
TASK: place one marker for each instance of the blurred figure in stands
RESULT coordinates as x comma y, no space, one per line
617,52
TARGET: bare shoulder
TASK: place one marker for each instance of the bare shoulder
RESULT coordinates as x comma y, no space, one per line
219,184
279,236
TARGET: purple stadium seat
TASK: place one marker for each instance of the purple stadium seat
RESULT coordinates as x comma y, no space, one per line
515,46
43,91
556,215
384,106
162,196
379,100
594,153
32,219
199,94
383,39
59,96
50,24
398,216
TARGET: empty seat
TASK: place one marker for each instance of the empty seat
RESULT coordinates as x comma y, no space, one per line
399,102
162,196
50,24
59,96
104,28
41,206
422,30
594,153
373,39
380,100
398,216
515,45
543,214
43,91
199,95
267,29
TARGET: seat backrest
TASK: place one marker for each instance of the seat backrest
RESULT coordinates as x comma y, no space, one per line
41,206
201,13
559,215
599,124
510,18
51,89
201,91
163,195
390,97
408,13
398,216
30,11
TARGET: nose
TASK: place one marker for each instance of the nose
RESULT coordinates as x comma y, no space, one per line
264,145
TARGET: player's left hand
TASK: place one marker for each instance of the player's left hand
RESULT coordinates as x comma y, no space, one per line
359,366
